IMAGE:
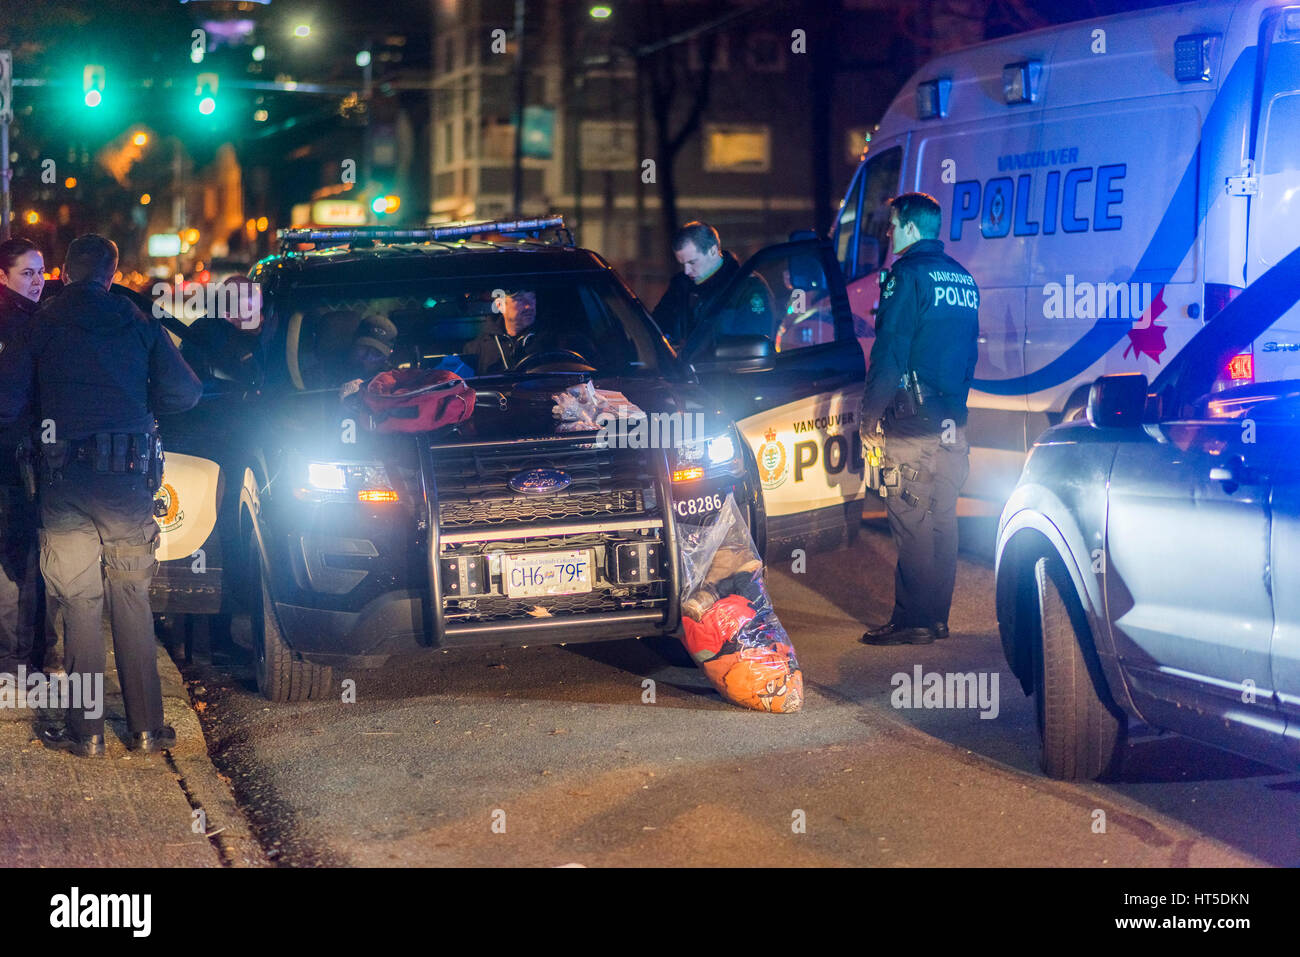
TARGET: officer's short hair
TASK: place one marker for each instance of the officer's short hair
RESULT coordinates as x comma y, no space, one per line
704,236
921,209
11,250
90,258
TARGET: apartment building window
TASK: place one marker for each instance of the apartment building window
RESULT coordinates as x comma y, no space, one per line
608,144
765,52
447,149
737,147
469,137
721,53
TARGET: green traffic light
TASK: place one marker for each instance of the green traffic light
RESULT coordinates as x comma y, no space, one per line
207,105
93,98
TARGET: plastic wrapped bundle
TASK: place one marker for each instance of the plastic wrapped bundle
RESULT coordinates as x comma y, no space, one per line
731,629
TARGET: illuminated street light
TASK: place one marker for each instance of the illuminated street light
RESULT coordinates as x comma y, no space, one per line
140,139
70,182
302,30
260,116
263,224
363,58
190,235
145,199
600,12
33,217
259,53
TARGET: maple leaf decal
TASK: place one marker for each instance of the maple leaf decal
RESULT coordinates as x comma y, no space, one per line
1151,340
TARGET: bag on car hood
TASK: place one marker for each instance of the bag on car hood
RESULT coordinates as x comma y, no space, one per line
417,400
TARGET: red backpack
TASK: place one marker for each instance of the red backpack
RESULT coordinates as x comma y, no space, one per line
417,400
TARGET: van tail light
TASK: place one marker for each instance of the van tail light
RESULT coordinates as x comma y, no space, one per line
1241,368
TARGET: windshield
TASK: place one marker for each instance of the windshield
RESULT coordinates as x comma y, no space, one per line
329,335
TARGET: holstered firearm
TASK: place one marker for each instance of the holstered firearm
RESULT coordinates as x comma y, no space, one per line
155,462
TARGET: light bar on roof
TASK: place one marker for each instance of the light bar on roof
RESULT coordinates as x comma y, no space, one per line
428,233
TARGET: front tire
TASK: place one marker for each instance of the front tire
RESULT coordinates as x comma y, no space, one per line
281,675
1081,737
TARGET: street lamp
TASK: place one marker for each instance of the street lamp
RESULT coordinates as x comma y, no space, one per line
302,30
600,12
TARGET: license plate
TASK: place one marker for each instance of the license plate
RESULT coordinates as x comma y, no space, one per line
547,573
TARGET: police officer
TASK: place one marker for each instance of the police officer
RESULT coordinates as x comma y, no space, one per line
918,378
22,275
694,295
101,370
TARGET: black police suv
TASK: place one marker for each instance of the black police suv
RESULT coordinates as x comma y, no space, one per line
344,545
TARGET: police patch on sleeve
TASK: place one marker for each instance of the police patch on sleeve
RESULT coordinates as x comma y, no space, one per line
889,288
756,304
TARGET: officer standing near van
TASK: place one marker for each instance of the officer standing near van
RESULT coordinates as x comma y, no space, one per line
100,371
918,377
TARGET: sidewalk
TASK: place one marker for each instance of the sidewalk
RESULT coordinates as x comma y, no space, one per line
127,809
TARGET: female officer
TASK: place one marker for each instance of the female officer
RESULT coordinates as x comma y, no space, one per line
22,276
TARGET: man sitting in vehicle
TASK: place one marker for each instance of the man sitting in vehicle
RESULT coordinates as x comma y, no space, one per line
504,343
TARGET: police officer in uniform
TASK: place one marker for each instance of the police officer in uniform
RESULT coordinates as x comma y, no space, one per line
21,278
694,295
918,377
100,371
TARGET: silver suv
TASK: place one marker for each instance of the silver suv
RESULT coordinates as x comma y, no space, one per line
1148,561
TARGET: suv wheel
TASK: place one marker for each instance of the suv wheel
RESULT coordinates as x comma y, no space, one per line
1081,737
281,676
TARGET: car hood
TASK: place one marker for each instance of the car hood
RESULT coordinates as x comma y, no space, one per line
505,409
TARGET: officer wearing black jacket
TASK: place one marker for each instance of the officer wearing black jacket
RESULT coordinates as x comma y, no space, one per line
21,279
100,370
918,377
694,296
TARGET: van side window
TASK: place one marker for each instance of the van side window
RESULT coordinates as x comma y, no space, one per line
847,227
881,185
861,238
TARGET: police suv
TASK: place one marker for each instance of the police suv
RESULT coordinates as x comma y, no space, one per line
349,546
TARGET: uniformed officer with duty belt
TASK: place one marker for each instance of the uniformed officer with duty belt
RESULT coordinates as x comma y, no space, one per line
918,377
100,370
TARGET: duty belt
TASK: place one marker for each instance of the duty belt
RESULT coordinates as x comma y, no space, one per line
122,453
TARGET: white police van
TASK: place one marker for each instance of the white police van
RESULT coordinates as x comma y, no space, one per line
1111,184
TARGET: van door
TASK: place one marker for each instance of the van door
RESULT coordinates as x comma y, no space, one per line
1274,218
862,233
781,357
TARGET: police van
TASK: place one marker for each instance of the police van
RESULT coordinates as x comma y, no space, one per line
1111,185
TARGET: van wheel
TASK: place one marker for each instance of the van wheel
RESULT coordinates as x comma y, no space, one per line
1081,737
280,675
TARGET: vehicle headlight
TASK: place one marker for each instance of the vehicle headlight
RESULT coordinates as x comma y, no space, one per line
708,457
345,482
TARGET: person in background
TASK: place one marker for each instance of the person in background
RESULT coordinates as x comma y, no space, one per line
22,276
694,295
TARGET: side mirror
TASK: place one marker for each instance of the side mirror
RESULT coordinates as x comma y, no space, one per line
1117,401
741,348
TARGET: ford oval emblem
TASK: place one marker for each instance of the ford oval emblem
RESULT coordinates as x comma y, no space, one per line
540,481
